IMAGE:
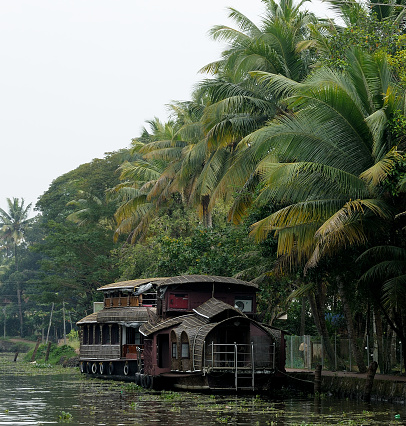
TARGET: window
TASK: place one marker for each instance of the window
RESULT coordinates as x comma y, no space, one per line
185,350
174,350
114,334
106,335
133,336
85,335
178,301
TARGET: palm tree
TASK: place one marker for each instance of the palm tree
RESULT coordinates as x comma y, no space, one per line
147,180
386,280
270,47
14,224
325,161
238,104
90,210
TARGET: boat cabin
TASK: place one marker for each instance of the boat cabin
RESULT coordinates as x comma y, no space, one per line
192,327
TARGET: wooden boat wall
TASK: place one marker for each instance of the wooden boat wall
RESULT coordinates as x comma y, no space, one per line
190,332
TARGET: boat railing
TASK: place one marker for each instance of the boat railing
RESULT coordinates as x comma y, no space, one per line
239,358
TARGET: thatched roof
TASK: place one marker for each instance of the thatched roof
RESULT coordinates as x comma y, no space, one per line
202,316
187,279
90,319
148,328
127,314
131,285
213,307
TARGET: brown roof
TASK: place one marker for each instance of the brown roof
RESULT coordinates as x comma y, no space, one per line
203,314
181,279
213,306
129,285
185,279
92,318
149,328
128,314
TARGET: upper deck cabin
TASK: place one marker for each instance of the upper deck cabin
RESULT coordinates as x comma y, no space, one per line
133,293
181,294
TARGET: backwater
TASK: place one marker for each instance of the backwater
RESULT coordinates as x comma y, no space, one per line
39,395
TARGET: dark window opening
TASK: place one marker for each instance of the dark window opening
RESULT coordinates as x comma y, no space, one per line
115,339
174,350
133,336
97,335
185,350
105,335
85,335
91,329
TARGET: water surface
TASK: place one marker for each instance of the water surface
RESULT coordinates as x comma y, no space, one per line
35,396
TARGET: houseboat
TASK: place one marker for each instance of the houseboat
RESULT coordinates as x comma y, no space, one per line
186,332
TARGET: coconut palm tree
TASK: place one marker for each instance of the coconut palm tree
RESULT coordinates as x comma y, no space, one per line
147,180
326,159
238,104
386,280
13,225
269,47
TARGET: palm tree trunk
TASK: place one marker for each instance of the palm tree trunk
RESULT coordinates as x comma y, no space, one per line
20,310
315,307
379,339
206,213
350,328
303,317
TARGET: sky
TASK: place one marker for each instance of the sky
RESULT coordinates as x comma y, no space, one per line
79,78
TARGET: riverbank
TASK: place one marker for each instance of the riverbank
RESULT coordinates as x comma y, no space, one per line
342,384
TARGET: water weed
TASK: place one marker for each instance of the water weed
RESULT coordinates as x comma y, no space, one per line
65,417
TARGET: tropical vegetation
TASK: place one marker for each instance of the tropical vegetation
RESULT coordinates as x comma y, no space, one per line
286,167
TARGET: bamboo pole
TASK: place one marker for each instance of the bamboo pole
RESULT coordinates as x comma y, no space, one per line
50,321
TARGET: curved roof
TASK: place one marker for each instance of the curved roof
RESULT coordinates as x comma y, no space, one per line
186,279
131,285
190,319
90,319
213,307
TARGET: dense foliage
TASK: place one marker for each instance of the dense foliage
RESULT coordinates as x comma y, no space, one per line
286,167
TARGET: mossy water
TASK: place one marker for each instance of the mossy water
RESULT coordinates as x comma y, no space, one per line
43,394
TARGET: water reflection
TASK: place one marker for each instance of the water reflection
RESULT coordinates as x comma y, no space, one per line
27,400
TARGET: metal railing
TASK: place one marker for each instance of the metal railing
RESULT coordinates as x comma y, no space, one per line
305,352
240,358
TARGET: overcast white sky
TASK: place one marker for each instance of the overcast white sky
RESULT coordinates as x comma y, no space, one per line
79,78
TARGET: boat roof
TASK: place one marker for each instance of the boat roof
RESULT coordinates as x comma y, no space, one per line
187,279
213,307
202,315
89,319
131,285
139,313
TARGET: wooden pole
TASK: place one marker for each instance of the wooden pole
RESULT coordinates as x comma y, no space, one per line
370,380
48,349
36,349
317,379
50,321
64,323
4,324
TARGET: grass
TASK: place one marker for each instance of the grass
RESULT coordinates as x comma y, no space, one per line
56,353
